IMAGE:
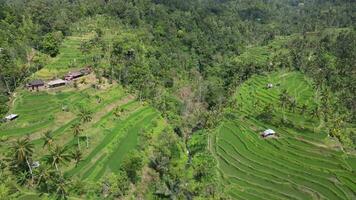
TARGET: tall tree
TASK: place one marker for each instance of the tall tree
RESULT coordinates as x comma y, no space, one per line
77,130
58,155
85,116
48,140
77,155
22,151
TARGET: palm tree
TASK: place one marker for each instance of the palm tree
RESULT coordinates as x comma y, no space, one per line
315,112
2,167
283,98
44,174
85,116
77,156
292,104
303,109
58,156
22,177
77,130
118,112
60,184
48,140
22,152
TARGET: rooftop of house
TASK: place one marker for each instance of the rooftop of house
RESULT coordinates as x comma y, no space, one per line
56,82
76,73
11,116
35,82
269,131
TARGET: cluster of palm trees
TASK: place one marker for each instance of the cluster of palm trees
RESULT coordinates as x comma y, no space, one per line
46,175
287,101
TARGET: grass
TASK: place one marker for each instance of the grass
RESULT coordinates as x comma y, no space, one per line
69,57
111,139
299,164
123,147
107,139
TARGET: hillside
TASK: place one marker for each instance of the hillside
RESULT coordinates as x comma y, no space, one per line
300,162
116,127
178,100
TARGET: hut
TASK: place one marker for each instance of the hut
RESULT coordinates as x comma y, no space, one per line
35,84
269,85
73,75
56,83
11,117
268,132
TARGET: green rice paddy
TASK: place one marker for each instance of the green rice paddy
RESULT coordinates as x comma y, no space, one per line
298,164
110,138
70,56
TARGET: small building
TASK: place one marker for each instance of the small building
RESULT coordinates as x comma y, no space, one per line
11,117
268,132
269,85
73,75
35,84
56,83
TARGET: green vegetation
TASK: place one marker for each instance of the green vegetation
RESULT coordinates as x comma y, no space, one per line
70,57
302,162
158,117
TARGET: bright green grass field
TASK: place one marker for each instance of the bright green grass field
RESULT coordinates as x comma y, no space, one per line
296,165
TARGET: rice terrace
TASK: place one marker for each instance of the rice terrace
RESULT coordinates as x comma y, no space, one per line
177,100
50,115
300,163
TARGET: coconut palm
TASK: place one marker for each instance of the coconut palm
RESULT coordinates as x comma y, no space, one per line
315,112
118,111
60,186
58,156
283,98
77,130
303,109
22,177
22,151
44,174
292,104
77,156
2,167
48,140
85,116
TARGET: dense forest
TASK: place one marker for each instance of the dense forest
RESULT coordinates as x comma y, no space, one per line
186,59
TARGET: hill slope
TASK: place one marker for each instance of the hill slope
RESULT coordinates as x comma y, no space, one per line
300,163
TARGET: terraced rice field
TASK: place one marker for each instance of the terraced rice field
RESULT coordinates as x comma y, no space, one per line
41,111
111,138
70,56
297,165
117,142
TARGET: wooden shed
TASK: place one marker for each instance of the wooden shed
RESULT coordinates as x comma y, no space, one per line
35,84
